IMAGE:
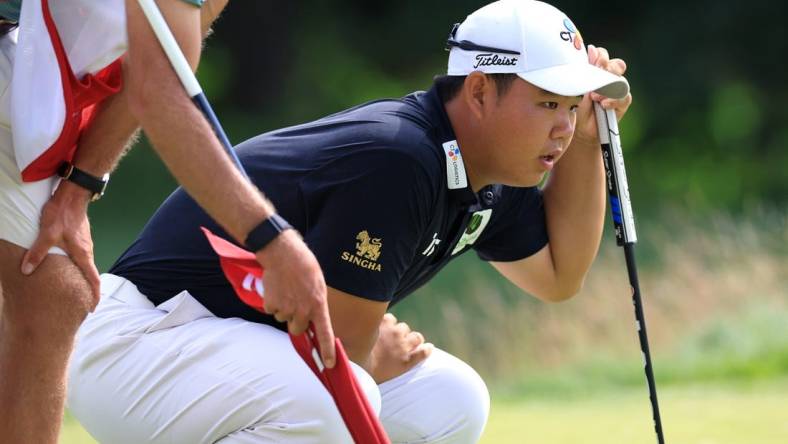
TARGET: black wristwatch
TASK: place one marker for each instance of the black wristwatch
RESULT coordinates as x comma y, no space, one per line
265,232
95,185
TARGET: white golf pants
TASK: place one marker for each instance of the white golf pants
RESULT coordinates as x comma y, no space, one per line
20,202
174,373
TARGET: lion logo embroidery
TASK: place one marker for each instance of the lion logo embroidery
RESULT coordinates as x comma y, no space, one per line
367,246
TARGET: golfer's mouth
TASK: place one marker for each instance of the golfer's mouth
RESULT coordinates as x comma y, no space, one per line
549,160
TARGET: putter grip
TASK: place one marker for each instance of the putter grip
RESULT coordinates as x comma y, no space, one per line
617,186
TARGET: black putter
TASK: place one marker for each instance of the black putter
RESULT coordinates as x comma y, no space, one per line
624,222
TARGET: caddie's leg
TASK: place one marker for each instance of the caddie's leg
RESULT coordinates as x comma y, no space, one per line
40,316
174,373
442,400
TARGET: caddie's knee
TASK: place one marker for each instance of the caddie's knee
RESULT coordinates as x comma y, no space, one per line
47,307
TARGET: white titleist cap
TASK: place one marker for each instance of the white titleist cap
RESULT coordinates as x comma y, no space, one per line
534,40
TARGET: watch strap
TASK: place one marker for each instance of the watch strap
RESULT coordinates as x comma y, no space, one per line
265,232
96,185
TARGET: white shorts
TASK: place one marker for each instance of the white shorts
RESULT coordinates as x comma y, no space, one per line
20,203
177,374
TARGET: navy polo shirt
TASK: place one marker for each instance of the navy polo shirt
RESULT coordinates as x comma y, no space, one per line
379,193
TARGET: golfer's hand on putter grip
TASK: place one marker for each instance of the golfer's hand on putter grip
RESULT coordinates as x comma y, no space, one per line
295,291
586,126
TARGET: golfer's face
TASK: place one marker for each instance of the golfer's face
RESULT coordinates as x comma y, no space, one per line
530,130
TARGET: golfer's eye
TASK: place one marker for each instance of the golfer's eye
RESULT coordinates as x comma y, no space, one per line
573,108
550,105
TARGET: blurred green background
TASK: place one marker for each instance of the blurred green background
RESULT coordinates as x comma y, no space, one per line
706,149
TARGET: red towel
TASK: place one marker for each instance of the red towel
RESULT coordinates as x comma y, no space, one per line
245,274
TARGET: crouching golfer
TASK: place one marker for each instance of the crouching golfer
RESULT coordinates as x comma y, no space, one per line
385,194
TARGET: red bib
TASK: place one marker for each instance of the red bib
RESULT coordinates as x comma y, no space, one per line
67,62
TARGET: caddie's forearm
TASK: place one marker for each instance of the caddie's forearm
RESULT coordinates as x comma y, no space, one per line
176,128
111,134
108,137
192,153
186,143
574,200
211,10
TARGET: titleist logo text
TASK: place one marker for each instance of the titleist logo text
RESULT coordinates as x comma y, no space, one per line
494,59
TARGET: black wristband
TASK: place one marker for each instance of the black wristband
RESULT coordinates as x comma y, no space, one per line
265,232
96,185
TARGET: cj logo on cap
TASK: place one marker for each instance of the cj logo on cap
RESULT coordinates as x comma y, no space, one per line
572,34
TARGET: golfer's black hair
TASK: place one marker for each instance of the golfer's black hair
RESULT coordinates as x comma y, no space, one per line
450,86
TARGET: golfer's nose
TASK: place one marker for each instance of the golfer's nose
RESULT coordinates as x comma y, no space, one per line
564,125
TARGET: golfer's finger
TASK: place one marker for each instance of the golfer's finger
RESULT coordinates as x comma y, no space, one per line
325,337
404,327
617,104
592,54
415,338
421,353
617,67
603,58
37,252
389,318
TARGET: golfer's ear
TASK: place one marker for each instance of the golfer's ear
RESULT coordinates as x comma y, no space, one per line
475,93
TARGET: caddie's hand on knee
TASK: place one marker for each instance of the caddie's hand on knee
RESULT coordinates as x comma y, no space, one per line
64,223
586,127
295,291
397,350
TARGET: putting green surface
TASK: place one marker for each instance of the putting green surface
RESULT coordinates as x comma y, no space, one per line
719,413
752,413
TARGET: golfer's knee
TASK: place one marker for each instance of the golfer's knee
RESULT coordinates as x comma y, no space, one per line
447,401
317,416
465,403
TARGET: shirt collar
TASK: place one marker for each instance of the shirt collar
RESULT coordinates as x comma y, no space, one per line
457,182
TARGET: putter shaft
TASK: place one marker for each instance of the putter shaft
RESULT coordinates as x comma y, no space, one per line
629,253
624,223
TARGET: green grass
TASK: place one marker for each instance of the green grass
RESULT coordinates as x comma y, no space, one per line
749,346
73,433
716,308
718,413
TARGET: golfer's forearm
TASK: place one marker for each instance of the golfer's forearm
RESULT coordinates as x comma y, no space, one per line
361,354
574,200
